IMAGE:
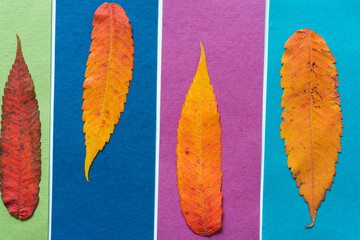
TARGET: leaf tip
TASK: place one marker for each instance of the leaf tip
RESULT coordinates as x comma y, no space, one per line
202,56
87,168
311,225
202,62
313,217
19,54
18,43
89,158
87,175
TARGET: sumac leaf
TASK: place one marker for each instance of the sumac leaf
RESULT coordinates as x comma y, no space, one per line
312,116
199,156
107,77
20,161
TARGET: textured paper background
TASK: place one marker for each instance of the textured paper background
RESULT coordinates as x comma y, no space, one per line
31,20
285,212
118,202
232,33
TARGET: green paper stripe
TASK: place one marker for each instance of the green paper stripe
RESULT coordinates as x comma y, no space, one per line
31,20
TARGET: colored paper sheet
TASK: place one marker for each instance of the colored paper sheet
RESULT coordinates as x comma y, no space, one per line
31,20
118,202
232,33
285,213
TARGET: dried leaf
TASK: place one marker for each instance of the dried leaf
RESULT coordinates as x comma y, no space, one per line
20,161
312,117
199,156
108,73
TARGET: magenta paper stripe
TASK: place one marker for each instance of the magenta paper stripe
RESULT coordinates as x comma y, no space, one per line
232,33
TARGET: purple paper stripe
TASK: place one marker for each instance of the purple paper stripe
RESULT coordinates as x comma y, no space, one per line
232,33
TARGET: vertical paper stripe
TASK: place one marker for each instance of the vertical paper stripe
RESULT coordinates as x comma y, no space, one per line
31,20
232,33
266,40
337,22
118,202
53,31
158,107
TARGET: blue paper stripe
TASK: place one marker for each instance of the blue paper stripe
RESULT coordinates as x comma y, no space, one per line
118,203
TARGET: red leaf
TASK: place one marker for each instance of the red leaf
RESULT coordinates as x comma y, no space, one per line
20,142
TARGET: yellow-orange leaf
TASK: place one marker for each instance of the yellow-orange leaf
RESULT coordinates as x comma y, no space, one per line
199,156
312,116
107,76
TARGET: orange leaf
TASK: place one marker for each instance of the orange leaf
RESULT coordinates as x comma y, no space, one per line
20,161
312,117
107,76
199,156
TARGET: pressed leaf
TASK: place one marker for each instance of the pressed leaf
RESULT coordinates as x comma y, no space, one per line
107,77
20,161
312,116
199,156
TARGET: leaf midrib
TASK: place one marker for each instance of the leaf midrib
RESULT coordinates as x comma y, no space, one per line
311,122
200,155
107,71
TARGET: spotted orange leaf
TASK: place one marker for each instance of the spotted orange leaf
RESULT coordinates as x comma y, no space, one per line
20,160
312,116
107,77
199,156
